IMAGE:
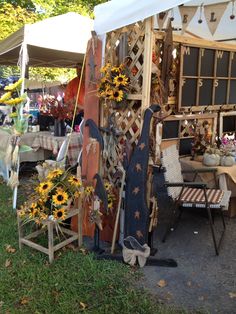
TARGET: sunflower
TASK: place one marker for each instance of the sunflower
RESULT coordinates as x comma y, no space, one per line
110,203
14,101
104,79
5,97
33,205
111,198
43,216
12,87
118,95
54,173
60,214
33,211
115,69
120,80
60,198
88,190
44,187
21,212
74,181
102,93
105,68
107,186
42,200
77,194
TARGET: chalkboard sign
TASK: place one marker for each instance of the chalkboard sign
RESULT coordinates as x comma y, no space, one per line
205,92
207,59
229,124
190,66
221,92
233,65
222,63
189,91
170,129
207,77
185,146
232,93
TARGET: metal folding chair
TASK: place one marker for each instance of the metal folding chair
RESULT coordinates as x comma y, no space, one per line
192,194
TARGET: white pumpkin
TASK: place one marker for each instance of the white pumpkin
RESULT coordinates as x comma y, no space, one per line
211,159
227,161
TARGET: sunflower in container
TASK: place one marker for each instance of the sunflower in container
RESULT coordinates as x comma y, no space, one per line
52,198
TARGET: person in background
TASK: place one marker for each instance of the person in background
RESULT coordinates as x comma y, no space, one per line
71,93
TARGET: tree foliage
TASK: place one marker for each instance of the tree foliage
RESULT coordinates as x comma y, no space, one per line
15,13
14,17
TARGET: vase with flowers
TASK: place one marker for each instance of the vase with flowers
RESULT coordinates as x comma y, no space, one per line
114,85
202,138
60,111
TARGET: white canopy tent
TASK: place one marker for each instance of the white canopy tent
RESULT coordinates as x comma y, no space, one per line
58,41
118,13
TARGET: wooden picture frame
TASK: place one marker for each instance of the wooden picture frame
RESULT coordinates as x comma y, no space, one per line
231,125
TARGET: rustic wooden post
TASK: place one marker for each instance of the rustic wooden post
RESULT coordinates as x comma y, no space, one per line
147,64
91,151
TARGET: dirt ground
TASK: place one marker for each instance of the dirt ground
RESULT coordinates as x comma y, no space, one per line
202,280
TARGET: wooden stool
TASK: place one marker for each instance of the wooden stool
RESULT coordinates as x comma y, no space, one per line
50,226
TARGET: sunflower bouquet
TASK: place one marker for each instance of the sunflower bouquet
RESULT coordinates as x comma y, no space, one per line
13,99
110,194
114,84
16,102
52,198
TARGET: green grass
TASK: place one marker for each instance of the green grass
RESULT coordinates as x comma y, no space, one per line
30,285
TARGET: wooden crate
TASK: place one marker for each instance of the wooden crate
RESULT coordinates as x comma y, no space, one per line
50,226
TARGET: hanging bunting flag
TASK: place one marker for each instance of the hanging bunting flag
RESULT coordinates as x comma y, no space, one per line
187,13
161,18
213,14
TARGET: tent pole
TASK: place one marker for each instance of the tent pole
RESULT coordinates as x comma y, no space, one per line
23,60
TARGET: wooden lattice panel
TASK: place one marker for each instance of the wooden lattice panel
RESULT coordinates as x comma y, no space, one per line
128,119
134,48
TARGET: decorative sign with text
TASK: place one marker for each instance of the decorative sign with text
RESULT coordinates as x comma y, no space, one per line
207,78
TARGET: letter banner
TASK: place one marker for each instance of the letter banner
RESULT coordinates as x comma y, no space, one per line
213,14
187,13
